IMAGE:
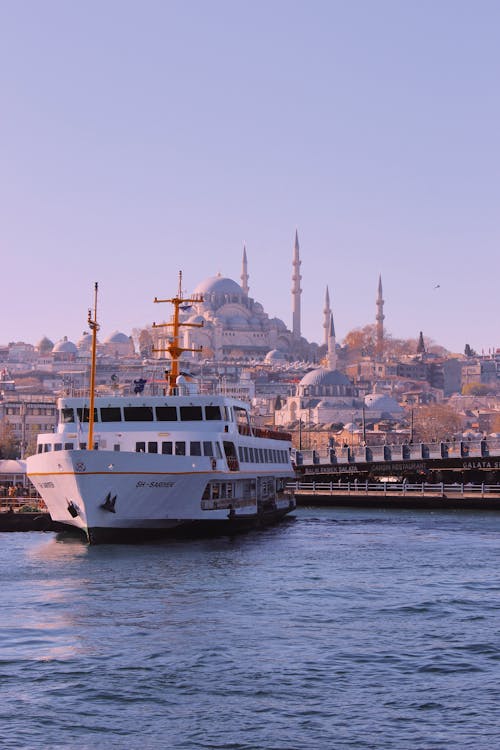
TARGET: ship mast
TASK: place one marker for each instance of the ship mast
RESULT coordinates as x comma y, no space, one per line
94,327
174,349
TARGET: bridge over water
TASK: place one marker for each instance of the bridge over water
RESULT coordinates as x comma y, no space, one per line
476,461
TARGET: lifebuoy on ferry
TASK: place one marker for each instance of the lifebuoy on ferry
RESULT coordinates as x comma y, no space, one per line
214,463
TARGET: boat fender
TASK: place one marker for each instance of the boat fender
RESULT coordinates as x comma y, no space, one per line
214,464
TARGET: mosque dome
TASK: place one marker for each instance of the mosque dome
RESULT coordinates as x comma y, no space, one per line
84,343
219,285
382,402
323,377
117,338
64,346
45,345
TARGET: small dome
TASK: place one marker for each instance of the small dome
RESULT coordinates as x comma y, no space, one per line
84,343
68,347
275,356
323,377
117,338
196,319
45,345
218,285
382,402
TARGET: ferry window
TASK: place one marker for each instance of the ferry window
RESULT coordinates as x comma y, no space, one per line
246,454
191,414
195,449
166,447
111,414
153,447
180,448
240,453
39,448
215,490
166,413
252,459
138,413
68,446
206,492
140,447
229,489
83,446
218,451
83,414
58,446
116,447
212,413
241,416
47,447
67,416
207,448
227,414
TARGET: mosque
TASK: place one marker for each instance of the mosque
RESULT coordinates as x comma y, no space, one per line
227,323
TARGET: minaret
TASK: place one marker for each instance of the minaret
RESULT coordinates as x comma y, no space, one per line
296,290
244,272
332,351
421,344
327,312
380,320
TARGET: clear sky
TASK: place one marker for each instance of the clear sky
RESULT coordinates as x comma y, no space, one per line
141,138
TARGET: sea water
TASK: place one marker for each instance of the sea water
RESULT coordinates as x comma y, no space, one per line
338,628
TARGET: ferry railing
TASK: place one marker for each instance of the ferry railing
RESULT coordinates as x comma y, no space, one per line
394,489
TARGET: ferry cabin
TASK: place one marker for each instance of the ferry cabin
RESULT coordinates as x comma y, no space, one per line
217,428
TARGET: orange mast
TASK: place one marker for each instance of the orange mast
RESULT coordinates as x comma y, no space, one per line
173,348
94,327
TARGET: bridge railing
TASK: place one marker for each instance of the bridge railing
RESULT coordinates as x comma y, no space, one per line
393,489
401,452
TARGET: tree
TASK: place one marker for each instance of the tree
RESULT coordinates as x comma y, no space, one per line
477,389
145,342
9,446
468,351
435,422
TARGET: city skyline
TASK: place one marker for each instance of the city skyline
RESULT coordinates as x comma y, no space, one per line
140,141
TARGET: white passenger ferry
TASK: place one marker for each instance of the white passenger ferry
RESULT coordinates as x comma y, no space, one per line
126,467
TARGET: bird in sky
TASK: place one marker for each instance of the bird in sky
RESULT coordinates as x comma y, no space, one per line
438,286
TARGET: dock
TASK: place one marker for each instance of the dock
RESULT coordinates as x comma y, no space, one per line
418,495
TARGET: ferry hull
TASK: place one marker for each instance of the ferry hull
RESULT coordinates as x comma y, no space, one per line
109,496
